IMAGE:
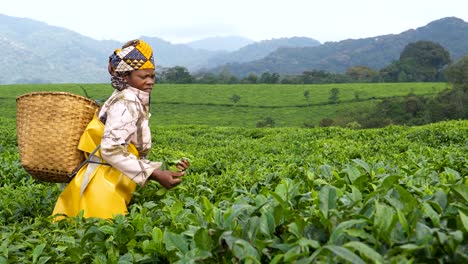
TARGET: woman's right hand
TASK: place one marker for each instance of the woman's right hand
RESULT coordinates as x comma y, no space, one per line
168,179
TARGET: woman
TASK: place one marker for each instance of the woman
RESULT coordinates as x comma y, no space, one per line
117,141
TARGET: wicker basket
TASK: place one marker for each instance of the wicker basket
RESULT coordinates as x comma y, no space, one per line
49,126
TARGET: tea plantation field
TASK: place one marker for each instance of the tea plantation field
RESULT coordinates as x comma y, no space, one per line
260,195
211,104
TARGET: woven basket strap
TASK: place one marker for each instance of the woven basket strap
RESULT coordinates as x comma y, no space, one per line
86,161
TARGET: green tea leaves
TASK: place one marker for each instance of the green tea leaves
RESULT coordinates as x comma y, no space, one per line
277,195
327,200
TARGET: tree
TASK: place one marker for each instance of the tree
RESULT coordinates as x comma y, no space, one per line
292,79
251,78
226,77
361,74
326,122
457,73
334,95
421,61
426,53
235,98
207,78
357,95
307,96
267,77
266,122
456,98
275,77
414,105
177,74
316,76
391,72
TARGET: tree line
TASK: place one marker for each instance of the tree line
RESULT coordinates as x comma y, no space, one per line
449,104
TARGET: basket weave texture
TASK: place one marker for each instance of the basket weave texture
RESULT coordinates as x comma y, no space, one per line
49,126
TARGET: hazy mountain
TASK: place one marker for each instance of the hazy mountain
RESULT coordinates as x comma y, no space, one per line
228,43
35,52
375,52
169,55
260,50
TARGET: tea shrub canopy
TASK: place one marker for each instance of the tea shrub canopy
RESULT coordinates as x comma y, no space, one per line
263,195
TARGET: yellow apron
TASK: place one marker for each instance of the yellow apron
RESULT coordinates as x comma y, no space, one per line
102,191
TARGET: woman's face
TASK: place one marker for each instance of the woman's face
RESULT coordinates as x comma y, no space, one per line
141,79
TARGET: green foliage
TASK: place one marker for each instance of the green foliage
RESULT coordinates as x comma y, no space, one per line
326,122
270,78
266,122
235,98
175,74
362,74
307,96
250,79
449,104
457,74
420,61
320,76
334,95
426,53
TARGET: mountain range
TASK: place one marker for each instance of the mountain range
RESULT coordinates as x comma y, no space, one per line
35,52
375,52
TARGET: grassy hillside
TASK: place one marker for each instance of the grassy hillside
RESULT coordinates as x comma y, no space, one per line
211,105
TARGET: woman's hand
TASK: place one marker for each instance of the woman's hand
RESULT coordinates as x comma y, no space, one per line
183,164
169,179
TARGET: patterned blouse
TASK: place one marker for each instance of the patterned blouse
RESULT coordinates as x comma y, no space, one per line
126,115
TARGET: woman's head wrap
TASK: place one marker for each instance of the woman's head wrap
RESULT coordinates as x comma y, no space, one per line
134,55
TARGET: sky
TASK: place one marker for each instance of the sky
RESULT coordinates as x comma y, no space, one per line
179,21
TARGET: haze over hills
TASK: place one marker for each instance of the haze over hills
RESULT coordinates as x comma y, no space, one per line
35,52
375,52
227,43
259,50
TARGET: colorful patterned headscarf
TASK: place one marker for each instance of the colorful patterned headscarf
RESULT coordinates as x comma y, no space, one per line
134,55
